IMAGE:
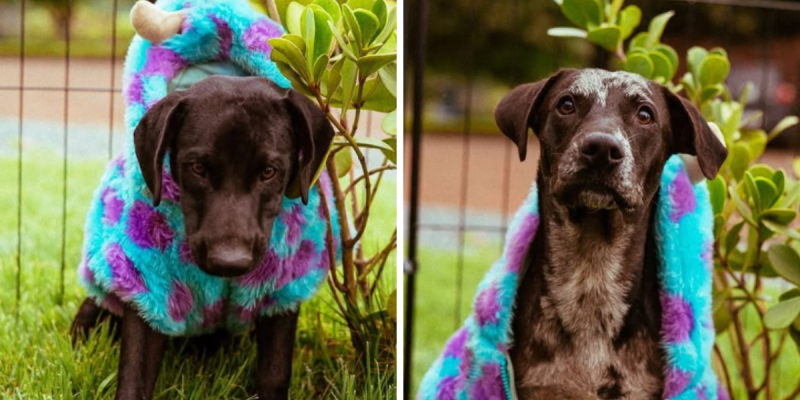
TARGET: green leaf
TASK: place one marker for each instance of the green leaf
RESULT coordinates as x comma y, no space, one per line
297,40
638,42
283,6
629,19
779,179
743,210
297,82
711,92
389,123
294,15
607,37
782,314
717,193
362,4
319,67
713,70
785,261
349,75
368,24
388,75
657,26
567,32
344,161
661,66
389,27
369,65
732,238
335,76
792,195
695,57
752,193
381,11
342,43
784,124
612,10
671,55
391,305
767,192
639,64
391,155
331,7
782,230
739,160
756,139
309,27
380,99
583,13
322,32
781,216
290,52
351,23
363,142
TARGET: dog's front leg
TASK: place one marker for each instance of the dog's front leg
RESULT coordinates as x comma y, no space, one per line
140,356
275,338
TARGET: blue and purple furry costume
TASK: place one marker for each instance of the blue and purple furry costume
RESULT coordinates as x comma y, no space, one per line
136,253
474,363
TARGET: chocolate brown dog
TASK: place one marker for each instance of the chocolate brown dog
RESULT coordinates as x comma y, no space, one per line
236,145
588,316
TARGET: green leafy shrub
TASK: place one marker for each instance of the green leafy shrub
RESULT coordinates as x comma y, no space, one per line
755,206
343,55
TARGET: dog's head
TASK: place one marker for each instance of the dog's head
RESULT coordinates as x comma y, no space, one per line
605,136
235,146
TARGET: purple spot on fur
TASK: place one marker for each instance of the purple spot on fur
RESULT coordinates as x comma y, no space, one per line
113,304
264,272
120,161
682,196
489,385
518,245
86,272
112,207
457,345
446,389
181,301
148,227
486,306
677,319
169,189
708,255
256,36
463,369
298,264
213,314
186,252
675,382
125,279
700,393
163,61
134,90
225,37
294,221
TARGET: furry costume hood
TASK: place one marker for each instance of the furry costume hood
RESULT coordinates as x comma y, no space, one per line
136,253
474,363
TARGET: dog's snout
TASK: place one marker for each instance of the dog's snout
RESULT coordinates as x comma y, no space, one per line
230,260
601,150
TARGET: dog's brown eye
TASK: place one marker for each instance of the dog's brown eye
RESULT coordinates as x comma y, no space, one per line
267,173
199,169
644,116
566,105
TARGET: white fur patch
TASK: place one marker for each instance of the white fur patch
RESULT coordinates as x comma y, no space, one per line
597,82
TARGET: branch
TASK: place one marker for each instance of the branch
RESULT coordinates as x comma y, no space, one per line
329,241
724,369
353,184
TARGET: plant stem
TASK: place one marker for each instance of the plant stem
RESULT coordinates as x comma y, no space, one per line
724,369
353,184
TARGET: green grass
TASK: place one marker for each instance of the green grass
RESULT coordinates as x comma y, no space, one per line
36,356
435,315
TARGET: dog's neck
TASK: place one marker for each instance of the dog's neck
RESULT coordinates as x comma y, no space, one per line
593,262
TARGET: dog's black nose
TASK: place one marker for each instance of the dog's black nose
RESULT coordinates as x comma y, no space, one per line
601,149
229,260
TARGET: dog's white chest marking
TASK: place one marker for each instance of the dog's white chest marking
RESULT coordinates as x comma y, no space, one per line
597,82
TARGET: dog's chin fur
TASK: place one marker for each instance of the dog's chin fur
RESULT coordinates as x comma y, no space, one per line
592,197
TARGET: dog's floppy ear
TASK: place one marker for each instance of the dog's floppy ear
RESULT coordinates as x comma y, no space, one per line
517,111
692,135
153,136
314,135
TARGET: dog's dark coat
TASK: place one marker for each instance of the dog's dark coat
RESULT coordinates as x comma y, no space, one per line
236,146
588,316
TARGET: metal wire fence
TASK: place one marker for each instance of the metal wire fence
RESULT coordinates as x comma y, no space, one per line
432,215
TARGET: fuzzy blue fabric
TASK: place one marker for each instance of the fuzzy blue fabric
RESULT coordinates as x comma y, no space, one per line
474,362
137,254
